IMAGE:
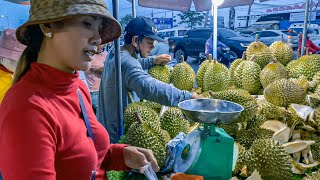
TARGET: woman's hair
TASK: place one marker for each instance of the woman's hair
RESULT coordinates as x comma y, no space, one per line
34,37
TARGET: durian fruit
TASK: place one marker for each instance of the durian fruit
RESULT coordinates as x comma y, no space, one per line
315,149
162,73
292,68
183,76
153,105
147,114
262,52
117,175
313,176
247,76
247,137
216,78
284,92
146,134
233,67
317,90
315,82
206,94
272,72
242,158
241,97
232,128
256,121
309,65
302,81
173,122
282,51
272,111
270,159
298,113
202,70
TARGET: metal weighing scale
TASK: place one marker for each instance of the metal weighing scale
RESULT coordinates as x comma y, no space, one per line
208,151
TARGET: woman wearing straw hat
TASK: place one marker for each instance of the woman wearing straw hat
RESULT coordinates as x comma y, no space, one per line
47,127
10,51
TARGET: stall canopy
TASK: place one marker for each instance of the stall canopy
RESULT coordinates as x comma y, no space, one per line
24,2
184,5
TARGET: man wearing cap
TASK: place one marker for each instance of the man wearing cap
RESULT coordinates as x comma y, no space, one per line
139,37
10,51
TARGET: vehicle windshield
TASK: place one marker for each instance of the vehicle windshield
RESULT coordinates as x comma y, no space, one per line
227,33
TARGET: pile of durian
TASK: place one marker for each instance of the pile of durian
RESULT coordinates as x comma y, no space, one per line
277,134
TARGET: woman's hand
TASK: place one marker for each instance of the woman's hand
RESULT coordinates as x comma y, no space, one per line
135,158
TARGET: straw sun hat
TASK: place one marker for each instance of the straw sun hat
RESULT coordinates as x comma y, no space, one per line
47,11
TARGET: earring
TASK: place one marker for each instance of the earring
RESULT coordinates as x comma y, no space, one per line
48,34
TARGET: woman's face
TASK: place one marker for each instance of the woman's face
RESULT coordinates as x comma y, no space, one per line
74,45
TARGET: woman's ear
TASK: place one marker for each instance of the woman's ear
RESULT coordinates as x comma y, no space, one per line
46,30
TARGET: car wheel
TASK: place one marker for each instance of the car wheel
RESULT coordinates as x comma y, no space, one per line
179,53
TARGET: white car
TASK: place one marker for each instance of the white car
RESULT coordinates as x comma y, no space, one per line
270,36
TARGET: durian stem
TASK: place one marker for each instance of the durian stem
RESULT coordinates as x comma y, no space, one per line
130,97
210,58
307,51
244,55
215,60
282,38
274,60
138,117
257,37
182,58
252,57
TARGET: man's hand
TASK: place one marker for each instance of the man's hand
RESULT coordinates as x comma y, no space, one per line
196,96
135,158
162,59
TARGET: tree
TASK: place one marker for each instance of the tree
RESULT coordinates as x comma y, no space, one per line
125,20
191,18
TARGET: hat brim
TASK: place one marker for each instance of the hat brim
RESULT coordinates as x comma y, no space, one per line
10,54
155,37
111,28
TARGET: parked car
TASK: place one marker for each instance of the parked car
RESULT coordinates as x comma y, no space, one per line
194,41
269,36
174,32
298,28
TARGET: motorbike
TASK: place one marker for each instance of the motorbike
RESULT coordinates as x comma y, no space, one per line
224,54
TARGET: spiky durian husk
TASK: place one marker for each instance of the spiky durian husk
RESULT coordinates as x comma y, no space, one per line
292,68
270,159
309,65
174,122
241,97
313,176
282,52
256,121
232,69
271,73
146,113
273,112
247,76
242,158
284,92
183,76
201,71
150,136
262,53
162,73
247,137
153,105
216,78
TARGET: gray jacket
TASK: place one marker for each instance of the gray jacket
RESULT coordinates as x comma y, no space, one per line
134,78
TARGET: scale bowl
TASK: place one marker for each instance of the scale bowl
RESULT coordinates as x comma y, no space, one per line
211,111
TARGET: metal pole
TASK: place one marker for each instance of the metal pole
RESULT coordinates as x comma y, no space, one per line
118,71
248,17
215,29
134,12
305,27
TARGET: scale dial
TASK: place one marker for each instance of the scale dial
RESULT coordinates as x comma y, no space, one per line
188,154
